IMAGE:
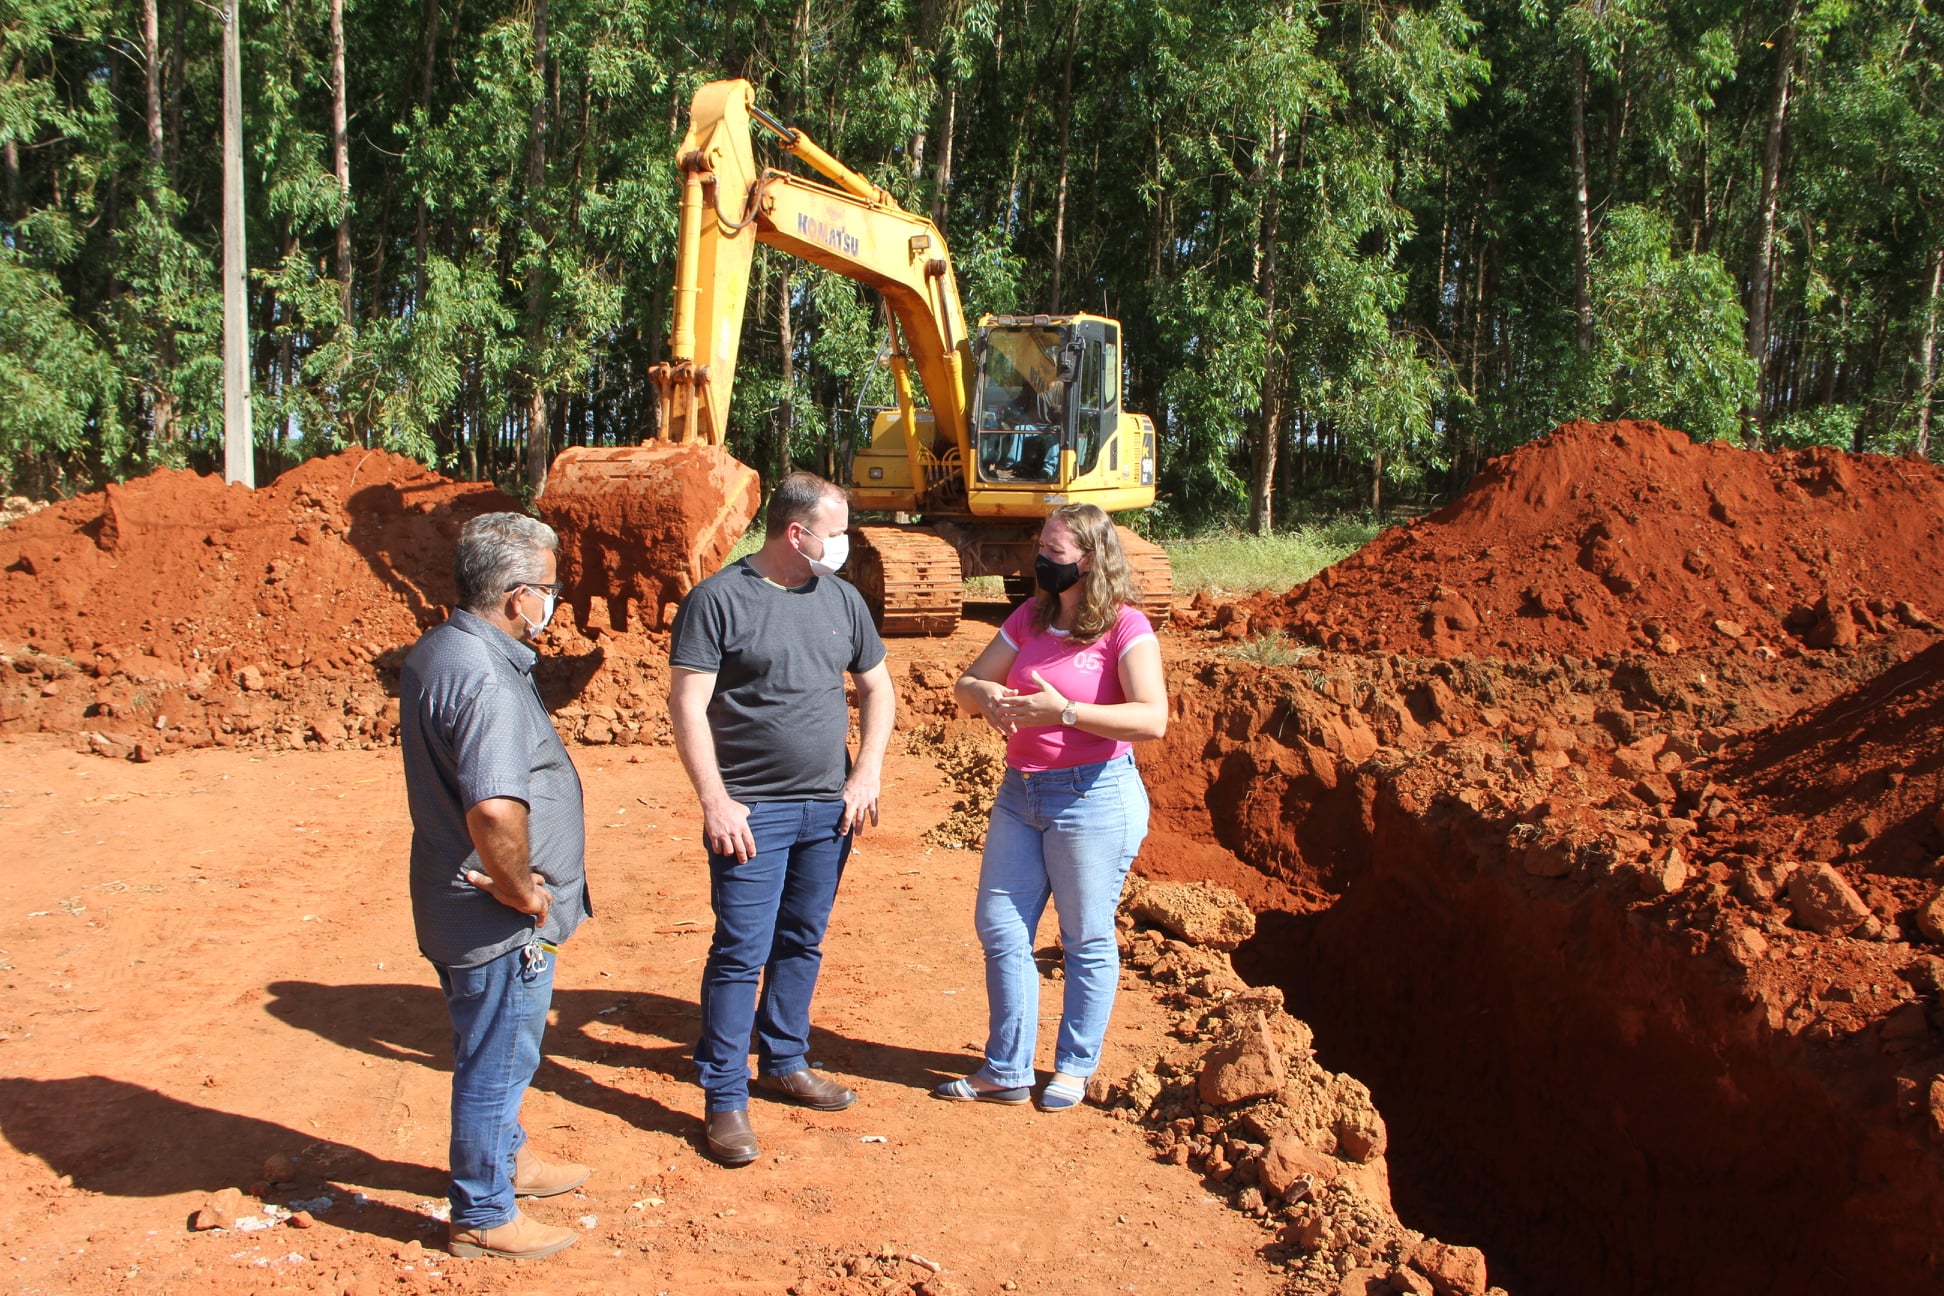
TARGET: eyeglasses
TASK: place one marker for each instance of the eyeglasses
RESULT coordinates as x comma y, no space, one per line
551,590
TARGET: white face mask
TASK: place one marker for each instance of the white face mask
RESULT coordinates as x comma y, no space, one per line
835,549
547,602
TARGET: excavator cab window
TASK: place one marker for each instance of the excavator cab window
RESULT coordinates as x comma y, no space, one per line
1098,410
1022,405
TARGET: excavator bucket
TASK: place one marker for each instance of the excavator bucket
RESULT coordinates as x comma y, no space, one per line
640,526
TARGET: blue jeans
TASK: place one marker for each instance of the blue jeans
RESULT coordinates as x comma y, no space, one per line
1069,834
770,912
499,1012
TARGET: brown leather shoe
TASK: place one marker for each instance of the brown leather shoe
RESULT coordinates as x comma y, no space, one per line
535,1176
520,1238
808,1088
731,1140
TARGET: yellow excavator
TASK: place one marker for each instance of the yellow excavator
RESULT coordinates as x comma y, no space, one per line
1024,416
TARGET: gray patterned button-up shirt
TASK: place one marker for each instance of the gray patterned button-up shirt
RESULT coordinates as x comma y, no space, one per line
473,727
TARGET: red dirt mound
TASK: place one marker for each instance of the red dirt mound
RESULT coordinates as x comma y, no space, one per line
1614,536
1858,780
175,608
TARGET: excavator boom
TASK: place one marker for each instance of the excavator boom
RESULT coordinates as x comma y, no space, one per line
847,226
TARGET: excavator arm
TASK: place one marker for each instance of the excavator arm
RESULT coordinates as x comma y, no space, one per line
848,226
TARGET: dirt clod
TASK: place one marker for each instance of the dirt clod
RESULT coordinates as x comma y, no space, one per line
219,1210
1248,1065
1453,1270
1197,913
1824,902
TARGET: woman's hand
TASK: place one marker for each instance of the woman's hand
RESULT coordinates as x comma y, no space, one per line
1022,710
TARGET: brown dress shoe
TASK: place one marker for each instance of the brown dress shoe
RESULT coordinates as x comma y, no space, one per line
731,1141
520,1238
807,1088
534,1176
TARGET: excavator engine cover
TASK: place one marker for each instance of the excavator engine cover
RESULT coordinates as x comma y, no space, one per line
640,526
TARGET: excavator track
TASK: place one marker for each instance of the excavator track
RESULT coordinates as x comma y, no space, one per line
1152,574
909,577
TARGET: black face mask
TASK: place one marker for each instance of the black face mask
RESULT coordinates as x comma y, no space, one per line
1055,577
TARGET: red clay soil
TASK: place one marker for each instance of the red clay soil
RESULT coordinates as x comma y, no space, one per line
1608,852
640,525
175,610
1607,537
1601,839
1858,780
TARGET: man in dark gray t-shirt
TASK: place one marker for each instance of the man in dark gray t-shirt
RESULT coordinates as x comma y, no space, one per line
498,868
760,652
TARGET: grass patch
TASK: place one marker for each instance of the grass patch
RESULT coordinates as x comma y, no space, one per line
1272,649
1229,562
1235,563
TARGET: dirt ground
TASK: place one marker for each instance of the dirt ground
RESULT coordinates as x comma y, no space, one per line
1593,826
209,960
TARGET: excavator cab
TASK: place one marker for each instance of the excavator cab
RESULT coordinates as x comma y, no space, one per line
1047,403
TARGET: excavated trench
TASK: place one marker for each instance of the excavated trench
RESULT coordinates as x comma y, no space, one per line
1567,1085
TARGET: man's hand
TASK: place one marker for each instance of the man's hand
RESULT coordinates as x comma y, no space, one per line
499,832
860,799
725,828
538,901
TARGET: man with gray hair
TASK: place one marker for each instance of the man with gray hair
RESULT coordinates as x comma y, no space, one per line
498,867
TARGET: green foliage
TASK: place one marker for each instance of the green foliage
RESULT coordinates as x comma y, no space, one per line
1668,335
1828,425
1346,228
58,396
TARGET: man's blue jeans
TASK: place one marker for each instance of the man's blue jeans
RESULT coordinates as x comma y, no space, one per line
1069,834
499,1013
771,911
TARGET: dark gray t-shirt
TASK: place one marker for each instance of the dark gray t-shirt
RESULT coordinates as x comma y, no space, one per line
472,726
778,714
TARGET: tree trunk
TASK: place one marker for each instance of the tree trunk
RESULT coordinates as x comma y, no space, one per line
786,417
538,450
1376,482
1927,358
177,61
1066,156
341,159
162,398
10,154
1262,467
422,235
1761,274
1582,217
152,82
944,172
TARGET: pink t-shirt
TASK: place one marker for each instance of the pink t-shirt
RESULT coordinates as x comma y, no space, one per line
1087,674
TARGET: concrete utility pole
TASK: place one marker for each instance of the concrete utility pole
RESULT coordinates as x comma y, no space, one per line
239,464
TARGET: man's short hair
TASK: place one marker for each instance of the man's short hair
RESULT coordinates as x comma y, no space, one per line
497,550
796,499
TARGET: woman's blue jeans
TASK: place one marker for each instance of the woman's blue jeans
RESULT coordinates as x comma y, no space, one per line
499,1013
771,911
1068,834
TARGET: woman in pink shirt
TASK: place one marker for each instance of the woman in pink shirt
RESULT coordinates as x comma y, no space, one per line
1073,679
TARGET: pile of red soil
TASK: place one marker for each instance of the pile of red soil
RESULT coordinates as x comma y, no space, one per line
177,609
1607,537
1858,781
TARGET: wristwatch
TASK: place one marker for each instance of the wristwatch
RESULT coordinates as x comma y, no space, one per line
1071,715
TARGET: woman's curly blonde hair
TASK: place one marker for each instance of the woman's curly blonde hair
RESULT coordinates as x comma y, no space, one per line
1106,587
